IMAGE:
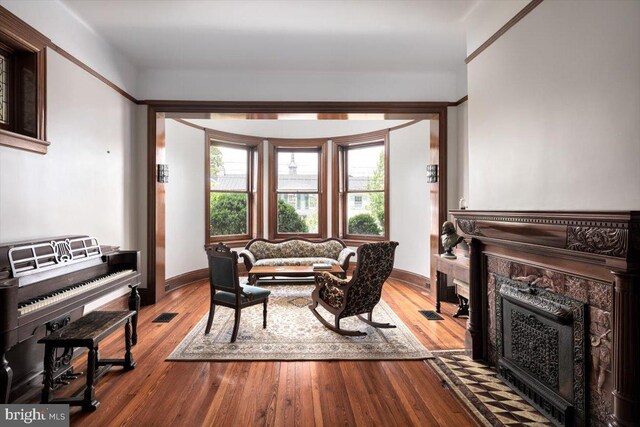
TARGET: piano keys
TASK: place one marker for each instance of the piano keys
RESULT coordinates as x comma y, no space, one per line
45,284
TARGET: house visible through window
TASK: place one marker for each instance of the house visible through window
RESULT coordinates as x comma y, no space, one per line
357,202
297,200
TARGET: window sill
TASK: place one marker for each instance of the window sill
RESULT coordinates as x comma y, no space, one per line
23,142
230,243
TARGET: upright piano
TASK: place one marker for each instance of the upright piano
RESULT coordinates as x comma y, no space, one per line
44,285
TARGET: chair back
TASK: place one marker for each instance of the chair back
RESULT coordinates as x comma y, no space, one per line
223,269
375,263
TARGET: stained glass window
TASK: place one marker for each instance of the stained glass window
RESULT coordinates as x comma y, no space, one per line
4,89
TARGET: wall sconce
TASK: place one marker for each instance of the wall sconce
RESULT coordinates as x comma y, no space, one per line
163,174
432,174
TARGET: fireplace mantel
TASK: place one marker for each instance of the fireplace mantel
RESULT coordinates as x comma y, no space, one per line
591,256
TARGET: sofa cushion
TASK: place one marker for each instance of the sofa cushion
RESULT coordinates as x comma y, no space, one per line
296,249
294,261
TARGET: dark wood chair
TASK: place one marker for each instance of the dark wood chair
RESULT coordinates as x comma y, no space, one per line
355,297
226,289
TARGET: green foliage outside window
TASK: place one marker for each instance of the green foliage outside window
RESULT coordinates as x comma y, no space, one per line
228,214
289,221
376,200
363,224
216,163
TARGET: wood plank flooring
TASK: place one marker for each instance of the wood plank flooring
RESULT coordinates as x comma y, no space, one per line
330,393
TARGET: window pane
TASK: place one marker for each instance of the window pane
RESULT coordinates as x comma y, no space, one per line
297,170
297,213
228,214
365,214
254,172
228,168
366,168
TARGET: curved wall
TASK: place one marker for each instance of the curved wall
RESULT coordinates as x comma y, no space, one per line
409,196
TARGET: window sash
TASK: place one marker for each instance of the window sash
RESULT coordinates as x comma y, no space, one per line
340,171
252,192
289,146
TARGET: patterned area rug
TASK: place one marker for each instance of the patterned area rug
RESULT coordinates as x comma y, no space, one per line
486,396
293,333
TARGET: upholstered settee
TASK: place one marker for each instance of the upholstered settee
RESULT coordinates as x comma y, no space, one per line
296,251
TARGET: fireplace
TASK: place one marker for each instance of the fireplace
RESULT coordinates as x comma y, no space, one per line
553,306
540,342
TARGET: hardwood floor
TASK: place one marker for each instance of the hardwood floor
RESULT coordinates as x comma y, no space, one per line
329,393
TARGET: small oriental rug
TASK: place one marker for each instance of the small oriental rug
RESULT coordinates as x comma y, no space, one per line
293,333
485,395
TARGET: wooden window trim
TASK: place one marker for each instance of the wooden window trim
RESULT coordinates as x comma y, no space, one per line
340,192
17,35
255,148
298,145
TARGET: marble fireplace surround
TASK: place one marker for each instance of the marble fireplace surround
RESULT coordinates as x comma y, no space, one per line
592,257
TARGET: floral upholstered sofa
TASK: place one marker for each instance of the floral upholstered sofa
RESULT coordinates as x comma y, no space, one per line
296,251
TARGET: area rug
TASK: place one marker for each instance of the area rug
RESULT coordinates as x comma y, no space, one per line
485,395
293,333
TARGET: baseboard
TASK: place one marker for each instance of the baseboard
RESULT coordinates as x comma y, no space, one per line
190,277
184,279
197,275
410,278
401,275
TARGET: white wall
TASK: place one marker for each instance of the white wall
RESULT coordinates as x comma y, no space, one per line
409,197
185,233
554,110
462,157
65,29
86,183
409,153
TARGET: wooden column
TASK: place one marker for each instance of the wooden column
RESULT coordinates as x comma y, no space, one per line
626,350
438,191
474,339
155,289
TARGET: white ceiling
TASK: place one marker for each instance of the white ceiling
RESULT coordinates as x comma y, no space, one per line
331,35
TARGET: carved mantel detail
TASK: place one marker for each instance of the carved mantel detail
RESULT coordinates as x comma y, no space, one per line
468,226
597,240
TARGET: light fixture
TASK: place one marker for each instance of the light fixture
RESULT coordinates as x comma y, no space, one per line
432,174
163,174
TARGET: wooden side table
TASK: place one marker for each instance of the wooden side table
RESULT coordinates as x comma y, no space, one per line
456,268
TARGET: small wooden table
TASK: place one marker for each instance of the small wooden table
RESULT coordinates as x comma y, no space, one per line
87,332
458,269
290,271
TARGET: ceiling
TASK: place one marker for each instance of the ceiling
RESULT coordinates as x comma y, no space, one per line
332,35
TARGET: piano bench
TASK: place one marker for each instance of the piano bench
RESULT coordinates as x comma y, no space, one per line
87,332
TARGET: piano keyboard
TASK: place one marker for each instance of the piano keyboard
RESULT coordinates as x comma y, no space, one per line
61,294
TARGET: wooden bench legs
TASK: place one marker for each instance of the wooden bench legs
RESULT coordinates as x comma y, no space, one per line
85,396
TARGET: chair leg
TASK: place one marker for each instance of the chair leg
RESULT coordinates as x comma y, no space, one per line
375,324
236,325
331,327
212,311
264,314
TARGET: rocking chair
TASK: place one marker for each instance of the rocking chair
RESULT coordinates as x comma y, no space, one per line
355,297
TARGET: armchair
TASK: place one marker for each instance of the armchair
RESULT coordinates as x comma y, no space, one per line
355,297
226,289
